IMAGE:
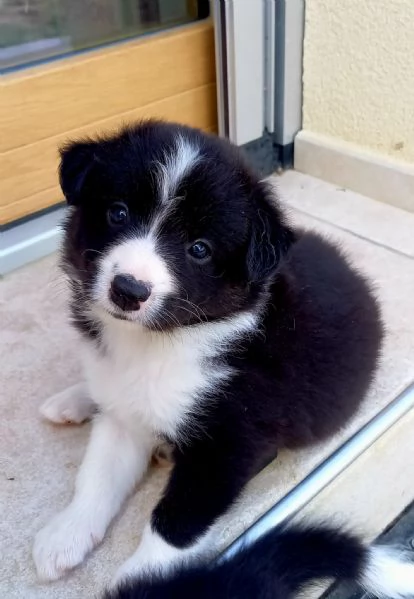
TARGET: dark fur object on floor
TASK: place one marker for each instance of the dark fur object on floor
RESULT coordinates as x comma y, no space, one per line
280,565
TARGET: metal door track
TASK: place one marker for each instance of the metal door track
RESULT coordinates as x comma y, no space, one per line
326,472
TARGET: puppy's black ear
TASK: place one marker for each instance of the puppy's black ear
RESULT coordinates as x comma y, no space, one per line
270,236
76,162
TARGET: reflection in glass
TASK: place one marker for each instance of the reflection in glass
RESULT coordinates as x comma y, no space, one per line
32,30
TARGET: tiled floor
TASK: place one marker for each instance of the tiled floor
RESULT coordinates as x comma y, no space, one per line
39,357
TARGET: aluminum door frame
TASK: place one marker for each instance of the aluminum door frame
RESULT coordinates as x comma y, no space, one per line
259,48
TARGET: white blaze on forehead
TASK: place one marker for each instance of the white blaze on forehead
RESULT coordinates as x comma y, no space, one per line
176,164
139,256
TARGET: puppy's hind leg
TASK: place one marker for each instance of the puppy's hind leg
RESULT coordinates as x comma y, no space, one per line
71,406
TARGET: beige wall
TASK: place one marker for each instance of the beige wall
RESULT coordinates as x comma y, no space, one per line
359,73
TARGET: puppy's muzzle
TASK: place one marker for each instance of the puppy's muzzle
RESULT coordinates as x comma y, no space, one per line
128,293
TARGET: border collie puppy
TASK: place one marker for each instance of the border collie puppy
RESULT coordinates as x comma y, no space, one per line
279,566
206,321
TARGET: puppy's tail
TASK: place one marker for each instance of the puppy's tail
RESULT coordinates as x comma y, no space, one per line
278,565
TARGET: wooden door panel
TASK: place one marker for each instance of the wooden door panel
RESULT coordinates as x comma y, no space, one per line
169,75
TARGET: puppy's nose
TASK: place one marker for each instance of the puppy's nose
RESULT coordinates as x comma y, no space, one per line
128,293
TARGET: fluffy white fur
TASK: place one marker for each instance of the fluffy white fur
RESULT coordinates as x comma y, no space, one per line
145,384
175,166
150,379
388,574
154,553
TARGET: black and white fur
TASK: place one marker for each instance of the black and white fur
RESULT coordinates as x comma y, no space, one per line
280,566
233,335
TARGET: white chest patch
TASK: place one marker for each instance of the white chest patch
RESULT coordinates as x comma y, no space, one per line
157,380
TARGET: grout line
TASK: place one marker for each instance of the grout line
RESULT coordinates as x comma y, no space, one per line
325,473
345,230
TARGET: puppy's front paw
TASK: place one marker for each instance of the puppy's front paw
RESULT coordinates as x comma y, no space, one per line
153,555
71,406
64,544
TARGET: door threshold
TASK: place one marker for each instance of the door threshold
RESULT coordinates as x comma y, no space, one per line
30,240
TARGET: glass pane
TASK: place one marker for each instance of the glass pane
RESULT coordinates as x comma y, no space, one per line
33,30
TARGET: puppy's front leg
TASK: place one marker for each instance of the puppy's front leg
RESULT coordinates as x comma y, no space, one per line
114,461
203,484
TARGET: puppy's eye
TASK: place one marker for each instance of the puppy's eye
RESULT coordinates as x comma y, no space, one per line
117,214
200,250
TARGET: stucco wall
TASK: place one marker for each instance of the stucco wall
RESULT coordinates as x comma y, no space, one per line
359,73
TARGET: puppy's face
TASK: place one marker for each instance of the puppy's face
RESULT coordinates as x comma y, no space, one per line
167,227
